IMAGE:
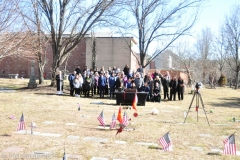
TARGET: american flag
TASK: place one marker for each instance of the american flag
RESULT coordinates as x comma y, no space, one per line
113,124
166,142
101,119
229,145
125,121
21,124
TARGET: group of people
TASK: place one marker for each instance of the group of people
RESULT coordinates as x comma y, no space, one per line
106,82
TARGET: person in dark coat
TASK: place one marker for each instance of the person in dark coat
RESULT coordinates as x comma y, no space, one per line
101,84
156,93
173,88
146,88
71,78
78,70
112,84
126,71
165,84
120,82
180,88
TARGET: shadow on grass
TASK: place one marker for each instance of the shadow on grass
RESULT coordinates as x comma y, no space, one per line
231,102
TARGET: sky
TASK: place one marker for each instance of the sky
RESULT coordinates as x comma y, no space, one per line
213,14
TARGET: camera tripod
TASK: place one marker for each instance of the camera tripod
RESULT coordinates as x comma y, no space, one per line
198,97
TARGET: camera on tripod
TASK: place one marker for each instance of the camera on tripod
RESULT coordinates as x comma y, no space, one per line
198,85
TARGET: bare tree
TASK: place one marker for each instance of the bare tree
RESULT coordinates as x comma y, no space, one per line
231,30
159,23
13,36
73,17
204,50
220,51
186,59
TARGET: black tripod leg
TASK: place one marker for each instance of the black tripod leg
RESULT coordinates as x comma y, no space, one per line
203,108
189,108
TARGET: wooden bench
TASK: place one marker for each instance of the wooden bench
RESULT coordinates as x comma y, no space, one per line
13,76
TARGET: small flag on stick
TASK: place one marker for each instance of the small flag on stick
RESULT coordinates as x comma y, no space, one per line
101,119
64,155
21,124
165,141
125,121
113,124
119,116
229,145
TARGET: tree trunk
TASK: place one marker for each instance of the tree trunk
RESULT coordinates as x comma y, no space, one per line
41,72
55,68
237,78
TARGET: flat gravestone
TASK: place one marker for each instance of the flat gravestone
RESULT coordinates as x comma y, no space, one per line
96,102
98,158
27,132
186,123
120,142
73,137
200,149
86,116
70,124
95,139
220,124
74,156
204,135
215,149
146,144
48,122
104,128
13,149
50,135
41,152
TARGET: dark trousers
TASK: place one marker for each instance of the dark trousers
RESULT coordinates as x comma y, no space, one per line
180,95
77,91
156,98
86,93
71,89
112,90
106,89
172,94
102,91
165,92
95,90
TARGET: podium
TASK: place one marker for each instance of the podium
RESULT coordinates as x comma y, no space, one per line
127,97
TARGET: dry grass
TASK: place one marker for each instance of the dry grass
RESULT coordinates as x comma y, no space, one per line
41,104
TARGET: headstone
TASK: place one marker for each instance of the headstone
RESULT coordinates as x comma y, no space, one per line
32,82
200,149
94,139
96,103
13,149
60,84
48,122
120,142
204,135
146,144
50,135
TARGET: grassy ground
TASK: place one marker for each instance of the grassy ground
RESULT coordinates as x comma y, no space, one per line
41,104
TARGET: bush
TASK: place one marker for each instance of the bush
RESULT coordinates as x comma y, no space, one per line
222,80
